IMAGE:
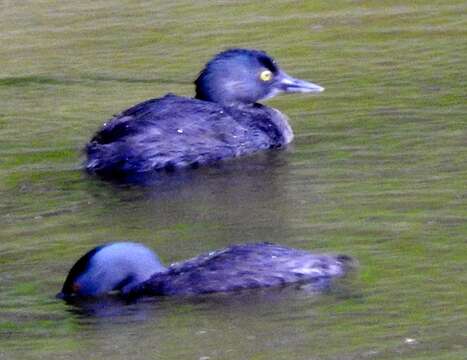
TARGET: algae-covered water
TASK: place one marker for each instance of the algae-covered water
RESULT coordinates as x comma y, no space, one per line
378,170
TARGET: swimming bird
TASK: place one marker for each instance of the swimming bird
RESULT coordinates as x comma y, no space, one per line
223,121
133,270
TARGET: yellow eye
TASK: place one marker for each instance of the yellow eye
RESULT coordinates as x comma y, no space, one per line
265,75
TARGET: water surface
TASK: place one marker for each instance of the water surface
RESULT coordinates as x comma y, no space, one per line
378,171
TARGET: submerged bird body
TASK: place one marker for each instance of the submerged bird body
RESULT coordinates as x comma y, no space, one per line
156,135
222,122
248,266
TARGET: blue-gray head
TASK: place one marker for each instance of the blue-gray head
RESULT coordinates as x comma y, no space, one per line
242,76
111,267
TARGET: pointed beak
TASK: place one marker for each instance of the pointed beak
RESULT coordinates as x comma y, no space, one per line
287,83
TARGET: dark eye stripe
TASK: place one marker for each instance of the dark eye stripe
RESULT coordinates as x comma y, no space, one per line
268,64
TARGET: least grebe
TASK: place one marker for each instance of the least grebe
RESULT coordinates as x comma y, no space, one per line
133,270
222,122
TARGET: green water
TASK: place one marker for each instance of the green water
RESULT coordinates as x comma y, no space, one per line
378,170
